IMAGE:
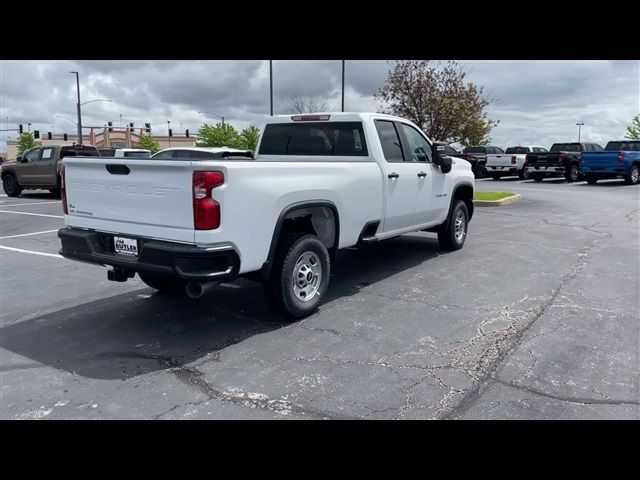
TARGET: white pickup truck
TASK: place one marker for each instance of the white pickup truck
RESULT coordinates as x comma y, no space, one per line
318,183
512,162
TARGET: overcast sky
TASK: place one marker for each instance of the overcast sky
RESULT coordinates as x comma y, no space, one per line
538,102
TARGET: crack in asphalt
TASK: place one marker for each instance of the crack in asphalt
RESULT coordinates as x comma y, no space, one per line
513,337
580,400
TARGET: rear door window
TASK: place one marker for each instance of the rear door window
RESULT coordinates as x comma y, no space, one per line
391,146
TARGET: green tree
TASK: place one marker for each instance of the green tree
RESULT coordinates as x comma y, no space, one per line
26,142
476,132
633,130
437,98
219,135
249,137
148,142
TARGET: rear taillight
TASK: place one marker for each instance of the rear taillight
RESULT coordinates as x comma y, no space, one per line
620,157
206,211
513,160
63,191
469,158
561,158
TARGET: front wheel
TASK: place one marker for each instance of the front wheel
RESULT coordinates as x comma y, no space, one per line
11,186
163,283
495,177
300,275
452,237
592,180
572,174
634,176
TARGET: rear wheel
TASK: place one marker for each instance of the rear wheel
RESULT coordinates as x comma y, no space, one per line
495,177
572,174
163,283
452,237
591,180
481,170
634,176
300,275
537,178
524,173
11,186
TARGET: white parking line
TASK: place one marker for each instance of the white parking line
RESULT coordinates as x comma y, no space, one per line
9,204
27,234
30,251
35,214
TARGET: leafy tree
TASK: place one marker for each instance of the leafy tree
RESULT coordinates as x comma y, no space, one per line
633,130
249,137
219,135
148,142
26,142
438,99
299,104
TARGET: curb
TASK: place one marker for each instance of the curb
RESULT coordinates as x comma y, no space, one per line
498,203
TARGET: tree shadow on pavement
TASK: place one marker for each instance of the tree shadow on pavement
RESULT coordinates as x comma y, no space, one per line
142,331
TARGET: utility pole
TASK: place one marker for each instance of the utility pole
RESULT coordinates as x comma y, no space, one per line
79,113
343,85
271,85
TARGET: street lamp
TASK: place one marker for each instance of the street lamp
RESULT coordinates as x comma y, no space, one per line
579,128
68,119
97,100
214,115
77,74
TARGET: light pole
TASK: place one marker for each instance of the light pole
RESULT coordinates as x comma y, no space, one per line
271,86
579,127
169,132
343,85
214,115
29,127
120,120
78,107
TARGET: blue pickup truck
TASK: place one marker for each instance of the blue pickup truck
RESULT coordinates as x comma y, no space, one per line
619,159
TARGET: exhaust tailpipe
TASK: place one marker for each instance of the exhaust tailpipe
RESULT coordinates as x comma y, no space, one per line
197,289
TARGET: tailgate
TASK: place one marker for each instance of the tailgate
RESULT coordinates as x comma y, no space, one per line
499,160
150,198
543,159
599,160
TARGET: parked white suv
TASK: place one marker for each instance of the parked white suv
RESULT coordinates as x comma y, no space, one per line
318,183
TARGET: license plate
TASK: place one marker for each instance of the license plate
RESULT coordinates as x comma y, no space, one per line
126,246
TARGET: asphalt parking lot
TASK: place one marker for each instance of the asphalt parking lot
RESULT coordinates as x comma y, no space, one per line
536,318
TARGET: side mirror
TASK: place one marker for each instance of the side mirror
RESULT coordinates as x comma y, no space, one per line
19,158
440,158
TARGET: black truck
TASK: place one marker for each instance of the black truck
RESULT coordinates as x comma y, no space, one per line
562,160
477,156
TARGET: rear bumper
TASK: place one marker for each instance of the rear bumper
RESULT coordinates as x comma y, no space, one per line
191,263
505,170
546,170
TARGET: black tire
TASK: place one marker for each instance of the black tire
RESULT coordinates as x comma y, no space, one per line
449,237
55,192
591,180
634,176
296,255
496,177
11,186
537,178
572,174
481,170
163,283
524,173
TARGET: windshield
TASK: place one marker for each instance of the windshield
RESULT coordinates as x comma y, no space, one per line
624,146
565,147
517,150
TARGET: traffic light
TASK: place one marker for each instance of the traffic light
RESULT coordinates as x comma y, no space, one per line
131,127
20,129
110,124
64,137
170,132
147,127
186,132
36,134
49,136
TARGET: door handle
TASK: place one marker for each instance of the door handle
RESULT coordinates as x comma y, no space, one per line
422,174
393,175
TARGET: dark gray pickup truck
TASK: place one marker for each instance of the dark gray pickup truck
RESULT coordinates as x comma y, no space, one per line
40,168
562,160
